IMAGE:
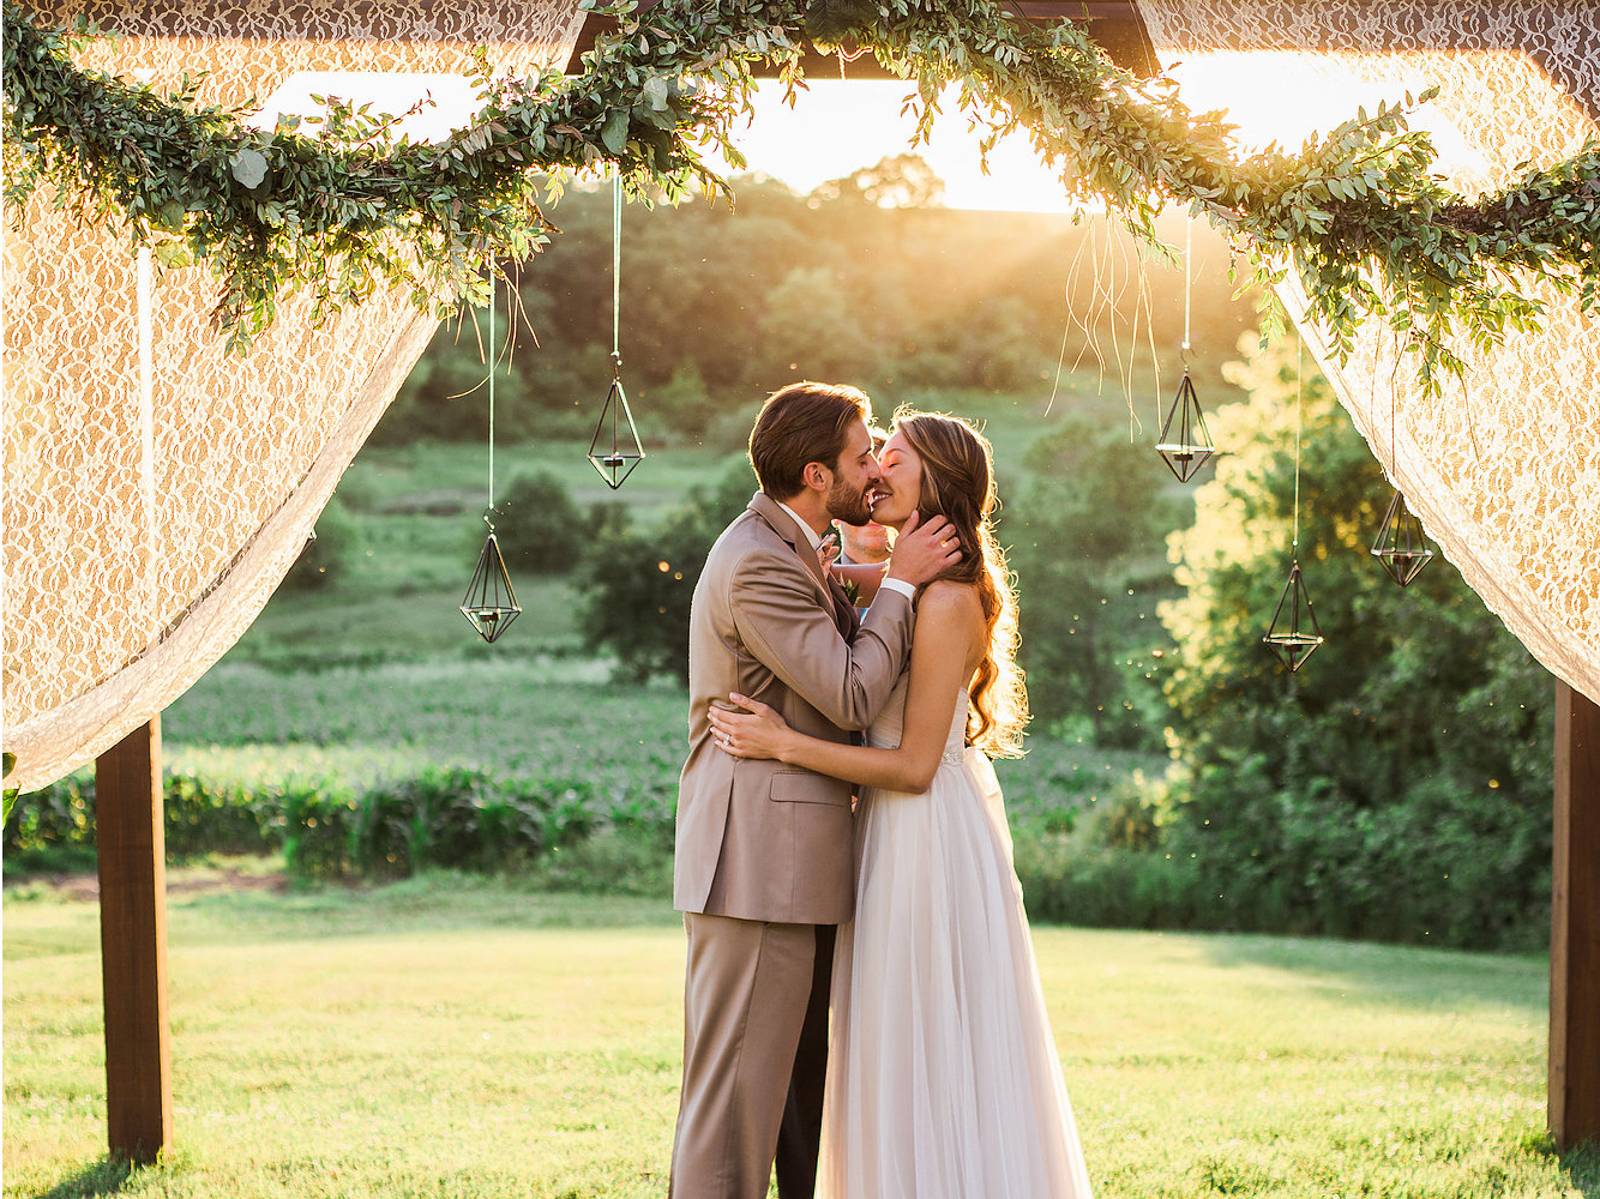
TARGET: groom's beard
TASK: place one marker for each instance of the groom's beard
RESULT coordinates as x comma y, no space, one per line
848,504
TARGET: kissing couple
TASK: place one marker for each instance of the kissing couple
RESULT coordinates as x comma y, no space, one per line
900,911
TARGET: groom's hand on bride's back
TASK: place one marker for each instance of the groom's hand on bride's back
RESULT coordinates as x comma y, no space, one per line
924,550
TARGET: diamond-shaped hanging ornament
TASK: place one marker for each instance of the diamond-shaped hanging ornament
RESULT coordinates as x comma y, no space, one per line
615,448
1184,444
490,604
1293,636
1400,546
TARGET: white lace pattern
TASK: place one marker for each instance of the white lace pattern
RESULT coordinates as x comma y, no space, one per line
110,615
1504,474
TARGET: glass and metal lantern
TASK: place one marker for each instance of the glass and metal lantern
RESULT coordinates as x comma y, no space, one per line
1184,444
490,604
1400,547
1294,635
615,448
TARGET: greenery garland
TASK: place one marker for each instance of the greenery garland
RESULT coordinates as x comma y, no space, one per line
1359,212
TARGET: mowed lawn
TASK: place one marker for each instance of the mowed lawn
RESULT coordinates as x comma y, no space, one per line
459,1039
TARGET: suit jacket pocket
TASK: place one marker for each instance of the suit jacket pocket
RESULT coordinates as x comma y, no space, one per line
802,786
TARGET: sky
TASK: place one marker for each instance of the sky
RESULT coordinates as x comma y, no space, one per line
836,127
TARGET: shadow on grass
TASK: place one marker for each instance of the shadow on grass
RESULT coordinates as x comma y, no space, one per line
1395,975
104,1177
1582,1166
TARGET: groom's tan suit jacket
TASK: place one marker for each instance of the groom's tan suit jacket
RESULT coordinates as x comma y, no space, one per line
756,839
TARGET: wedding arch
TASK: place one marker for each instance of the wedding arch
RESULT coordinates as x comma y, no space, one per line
167,452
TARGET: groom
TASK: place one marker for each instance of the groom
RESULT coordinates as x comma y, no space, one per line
763,867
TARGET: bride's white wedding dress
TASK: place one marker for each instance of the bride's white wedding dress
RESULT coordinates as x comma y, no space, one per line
943,1080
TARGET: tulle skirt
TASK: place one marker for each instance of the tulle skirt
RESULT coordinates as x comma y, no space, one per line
943,1080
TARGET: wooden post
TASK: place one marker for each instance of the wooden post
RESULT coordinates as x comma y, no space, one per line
1575,923
131,845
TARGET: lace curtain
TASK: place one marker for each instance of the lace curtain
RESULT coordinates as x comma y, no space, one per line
1504,473
149,513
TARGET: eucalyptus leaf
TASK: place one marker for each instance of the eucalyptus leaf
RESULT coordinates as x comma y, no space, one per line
249,167
614,133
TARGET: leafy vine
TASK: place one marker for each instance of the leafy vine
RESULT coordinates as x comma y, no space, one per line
1359,212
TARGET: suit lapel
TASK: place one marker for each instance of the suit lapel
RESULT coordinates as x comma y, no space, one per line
764,506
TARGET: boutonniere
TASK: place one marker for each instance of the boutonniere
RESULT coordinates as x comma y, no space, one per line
853,590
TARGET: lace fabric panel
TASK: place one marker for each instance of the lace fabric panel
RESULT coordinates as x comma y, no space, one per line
1503,472
114,606
250,46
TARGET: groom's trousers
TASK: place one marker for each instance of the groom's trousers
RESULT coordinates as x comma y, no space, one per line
755,1051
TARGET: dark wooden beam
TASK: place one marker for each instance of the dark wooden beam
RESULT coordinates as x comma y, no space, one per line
1115,24
1575,923
131,845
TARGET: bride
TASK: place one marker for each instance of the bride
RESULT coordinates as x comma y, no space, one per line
942,1078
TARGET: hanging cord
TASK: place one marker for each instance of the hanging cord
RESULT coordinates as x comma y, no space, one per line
489,510
1188,285
839,53
616,299
1299,384
616,269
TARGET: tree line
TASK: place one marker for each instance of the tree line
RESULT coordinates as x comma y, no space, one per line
865,279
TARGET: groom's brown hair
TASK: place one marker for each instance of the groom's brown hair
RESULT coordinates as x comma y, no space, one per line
803,422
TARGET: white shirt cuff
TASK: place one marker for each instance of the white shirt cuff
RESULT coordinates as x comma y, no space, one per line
900,585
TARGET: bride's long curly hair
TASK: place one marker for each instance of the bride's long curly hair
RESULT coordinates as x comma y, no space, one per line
958,484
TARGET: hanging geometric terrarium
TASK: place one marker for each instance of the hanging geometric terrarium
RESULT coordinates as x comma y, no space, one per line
1185,448
1184,444
1293,635
1400,546
490,604
615,448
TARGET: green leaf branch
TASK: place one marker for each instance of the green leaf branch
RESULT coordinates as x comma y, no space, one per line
1359,212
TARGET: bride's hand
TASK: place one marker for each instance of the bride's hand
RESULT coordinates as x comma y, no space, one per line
757,732
828,551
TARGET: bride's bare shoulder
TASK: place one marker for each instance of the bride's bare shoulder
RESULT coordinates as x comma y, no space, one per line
950,598
947,609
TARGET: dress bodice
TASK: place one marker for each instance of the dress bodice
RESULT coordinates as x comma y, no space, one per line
887,730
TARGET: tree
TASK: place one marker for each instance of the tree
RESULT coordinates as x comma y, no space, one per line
1075,534
637,583
542,531
898,181
811,322
1399,785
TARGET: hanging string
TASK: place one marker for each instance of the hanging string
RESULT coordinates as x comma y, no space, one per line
839,53
1188,282
616,267
490,506
1299,386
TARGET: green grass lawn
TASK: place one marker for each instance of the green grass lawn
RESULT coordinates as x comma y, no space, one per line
457,1038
